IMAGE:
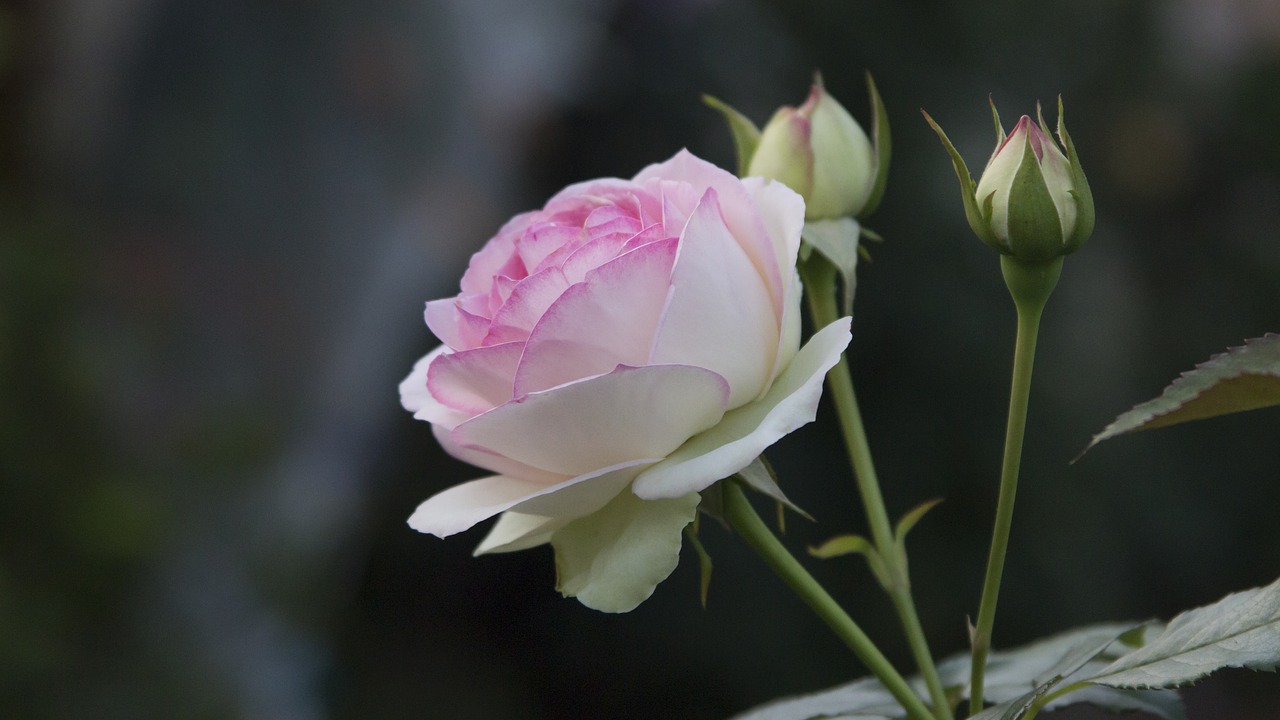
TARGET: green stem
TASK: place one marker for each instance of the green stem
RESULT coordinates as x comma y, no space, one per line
1030,286
819,282
747,523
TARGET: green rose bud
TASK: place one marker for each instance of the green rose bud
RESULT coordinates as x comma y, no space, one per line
1033,201
821,152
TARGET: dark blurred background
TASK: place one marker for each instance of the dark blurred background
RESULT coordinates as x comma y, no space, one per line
219,222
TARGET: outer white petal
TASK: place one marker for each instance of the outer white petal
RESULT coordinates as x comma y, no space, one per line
461,506
493,462
626,415
415,397
613,559
518,531
998,177
746,432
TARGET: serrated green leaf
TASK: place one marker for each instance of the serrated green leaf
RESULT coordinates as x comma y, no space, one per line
1243,378
1165,704
837,240
746,136
1241,631
864,699
1055,683
1012,676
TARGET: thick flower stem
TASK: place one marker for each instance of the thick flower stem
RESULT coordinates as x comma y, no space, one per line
1030,285
819,282
751,527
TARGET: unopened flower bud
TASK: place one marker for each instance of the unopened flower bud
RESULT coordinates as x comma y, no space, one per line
1033,201
821,152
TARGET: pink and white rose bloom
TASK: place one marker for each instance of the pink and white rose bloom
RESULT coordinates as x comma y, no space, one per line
611,356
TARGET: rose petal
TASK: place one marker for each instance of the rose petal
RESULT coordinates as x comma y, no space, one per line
628,414
518,531
583,494
454,326
461,506
494,462
740,213
477,380
613,559
607,320
719,316
496,257
679,199
528,301
790,342
746,432
781,211
603,249
417,399
599,189
542,239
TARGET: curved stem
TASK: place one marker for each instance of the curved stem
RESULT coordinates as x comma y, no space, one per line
1030,286
747,522
819,282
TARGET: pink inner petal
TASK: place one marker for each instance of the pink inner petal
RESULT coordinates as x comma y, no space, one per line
529,300
607,320
477,380
455,327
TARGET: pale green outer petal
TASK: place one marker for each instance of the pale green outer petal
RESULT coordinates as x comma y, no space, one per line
784,153
613,559
745,432
843,164
518,531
